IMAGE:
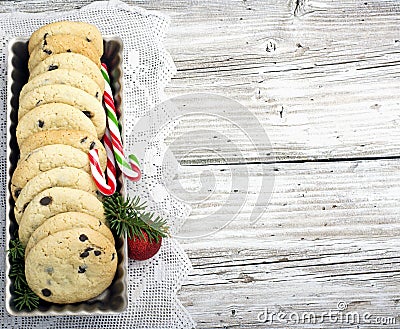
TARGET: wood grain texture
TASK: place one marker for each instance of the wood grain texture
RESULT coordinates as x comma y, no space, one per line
329,235
309,200
319,82
322,78
230,289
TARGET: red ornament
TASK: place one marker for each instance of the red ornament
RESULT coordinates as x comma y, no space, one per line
140,248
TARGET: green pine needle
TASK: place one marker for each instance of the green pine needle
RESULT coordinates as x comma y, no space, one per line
128,217
25,298
16,251
17,273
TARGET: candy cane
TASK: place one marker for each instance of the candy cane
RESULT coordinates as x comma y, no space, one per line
129,166
105,187
113,145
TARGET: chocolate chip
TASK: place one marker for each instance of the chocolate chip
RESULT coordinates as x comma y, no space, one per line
88,40
38,102
69,50
24,207
87,113
46,200
47,51
83,237
83,140
45,42
84,254
100,223
82,269
40,123
97,252
53,67
45,36
46,292
113,256
17,192
92,145
97,94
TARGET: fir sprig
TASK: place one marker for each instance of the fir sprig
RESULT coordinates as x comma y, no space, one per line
25,297
128,217
16,251
17,273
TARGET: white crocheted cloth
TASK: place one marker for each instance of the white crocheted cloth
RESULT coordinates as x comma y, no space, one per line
153,284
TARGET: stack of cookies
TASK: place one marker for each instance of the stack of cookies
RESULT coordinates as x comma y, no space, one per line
70,252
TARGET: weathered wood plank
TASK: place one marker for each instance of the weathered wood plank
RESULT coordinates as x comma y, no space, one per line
329,234
313,80
336,199
321,77
230,289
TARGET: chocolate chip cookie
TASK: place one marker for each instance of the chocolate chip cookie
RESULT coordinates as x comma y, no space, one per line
60,177
67,95
65,77
67,221
84,30
43,159
70,61
53,201
50,117
76,138
71,266
62,43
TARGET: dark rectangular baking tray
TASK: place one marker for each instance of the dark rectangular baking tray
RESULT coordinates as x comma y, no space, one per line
115,298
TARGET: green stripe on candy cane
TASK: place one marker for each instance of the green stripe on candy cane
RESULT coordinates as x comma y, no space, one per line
111,116
105,74
129,166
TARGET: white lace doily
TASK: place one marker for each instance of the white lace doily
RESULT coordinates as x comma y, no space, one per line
148,67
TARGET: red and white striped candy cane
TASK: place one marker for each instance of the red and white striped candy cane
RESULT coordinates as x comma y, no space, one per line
106,187
114,148
129,166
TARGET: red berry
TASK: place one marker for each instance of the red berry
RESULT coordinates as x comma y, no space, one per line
140,248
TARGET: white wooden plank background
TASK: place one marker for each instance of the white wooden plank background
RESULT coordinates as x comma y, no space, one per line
322,77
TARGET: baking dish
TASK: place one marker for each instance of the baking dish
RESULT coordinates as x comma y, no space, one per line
115,298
